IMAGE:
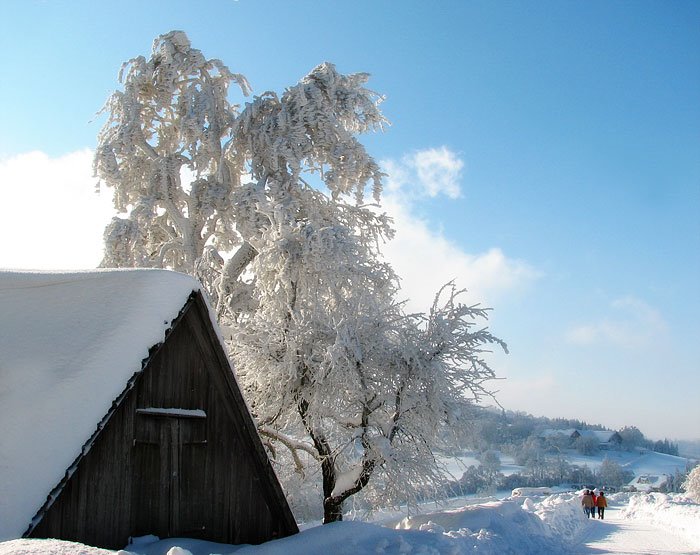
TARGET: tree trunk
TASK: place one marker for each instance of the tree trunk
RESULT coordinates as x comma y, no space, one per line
332,510
333,504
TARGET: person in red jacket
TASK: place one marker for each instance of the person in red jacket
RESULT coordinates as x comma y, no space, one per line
601,502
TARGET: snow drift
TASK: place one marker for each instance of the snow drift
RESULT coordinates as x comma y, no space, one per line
522,526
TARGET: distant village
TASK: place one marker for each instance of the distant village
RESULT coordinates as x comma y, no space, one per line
513,450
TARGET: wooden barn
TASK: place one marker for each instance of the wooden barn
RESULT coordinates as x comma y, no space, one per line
120,415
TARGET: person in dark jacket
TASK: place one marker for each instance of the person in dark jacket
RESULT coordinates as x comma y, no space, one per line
601,502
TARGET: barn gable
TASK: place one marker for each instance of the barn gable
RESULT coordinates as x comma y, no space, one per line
175,452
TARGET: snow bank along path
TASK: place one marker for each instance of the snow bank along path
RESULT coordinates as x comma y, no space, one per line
531,526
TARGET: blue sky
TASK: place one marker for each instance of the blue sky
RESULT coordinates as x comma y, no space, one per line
546,155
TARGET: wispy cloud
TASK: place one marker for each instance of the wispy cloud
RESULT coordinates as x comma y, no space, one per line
430,172
633,323
540,386
421,254
52,216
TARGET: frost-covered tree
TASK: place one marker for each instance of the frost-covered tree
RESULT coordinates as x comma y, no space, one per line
691,485
532,456
631,437
586,445
162,151
190,172
358,393
612,474
490,465
560,468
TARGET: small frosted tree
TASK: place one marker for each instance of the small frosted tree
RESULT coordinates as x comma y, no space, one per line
612,474
490,465
586,445
631,437
691,485
560,468
338,372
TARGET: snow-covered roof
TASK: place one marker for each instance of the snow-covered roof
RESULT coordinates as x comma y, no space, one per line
649,482
555,433
69,342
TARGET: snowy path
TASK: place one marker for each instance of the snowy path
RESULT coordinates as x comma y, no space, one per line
631,537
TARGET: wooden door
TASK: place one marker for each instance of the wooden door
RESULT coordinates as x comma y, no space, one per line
169,473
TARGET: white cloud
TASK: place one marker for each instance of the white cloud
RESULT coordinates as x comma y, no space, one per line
633,324
52,217
423,257
431,172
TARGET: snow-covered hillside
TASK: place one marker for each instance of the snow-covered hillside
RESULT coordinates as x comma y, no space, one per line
635,523
640,462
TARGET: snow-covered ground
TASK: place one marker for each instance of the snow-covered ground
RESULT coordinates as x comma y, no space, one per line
634,523
455,466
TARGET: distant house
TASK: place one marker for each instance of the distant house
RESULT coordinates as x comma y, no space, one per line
649,482
120,415
605,438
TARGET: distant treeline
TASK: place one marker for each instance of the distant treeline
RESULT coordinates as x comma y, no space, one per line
501,429
665,446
